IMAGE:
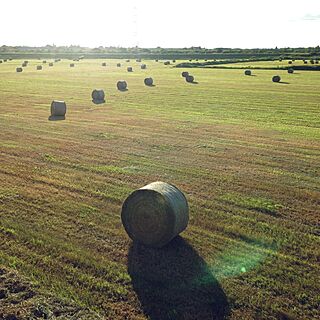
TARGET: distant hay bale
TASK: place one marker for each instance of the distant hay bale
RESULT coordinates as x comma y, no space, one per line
166,63
185,74
44,61
276,79
122,85
128,60
289,62
173,61
57,60
19,69
26,61
104,64
71,65
39,67
156,60
24,64
305,61
189,78
148,81
247,72
317,61
0,61
190,60
118,65
312,61
5,60
98,96
58,108
51,64
155,214
197,59
129,69
290,70
143,66
138,60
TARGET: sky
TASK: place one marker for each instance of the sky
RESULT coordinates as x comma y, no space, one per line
165,23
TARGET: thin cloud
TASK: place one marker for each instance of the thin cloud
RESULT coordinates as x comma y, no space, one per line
311,17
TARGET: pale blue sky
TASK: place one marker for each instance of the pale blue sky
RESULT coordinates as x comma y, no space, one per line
147,23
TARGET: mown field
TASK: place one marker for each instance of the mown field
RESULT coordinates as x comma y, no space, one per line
245,151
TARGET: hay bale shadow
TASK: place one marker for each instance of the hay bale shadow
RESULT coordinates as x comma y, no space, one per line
151,85
194,82
174,282
123,90
56,118
98,101
283,82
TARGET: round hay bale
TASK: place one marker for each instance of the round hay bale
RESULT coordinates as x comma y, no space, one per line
276,79
56,60
156,60
138,60
190,60
98,95
305,62
51,64
19,69
58,108
24,64
289,62
71,65
129,69
312,61
118,65
128,60
185,74
26,61
166,63
173,61
247,72
39,67
290,70
104,64
0,61
143,66
317,61
155,214
148,81
190,78
5,60
44,61
122,85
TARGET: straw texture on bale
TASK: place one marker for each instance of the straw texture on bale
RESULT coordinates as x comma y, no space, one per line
189,78
148,81
39,67
290,70
247,72
122,85
58,108
155,214
19,69
129,69
98,95
185,74
143,66
276,78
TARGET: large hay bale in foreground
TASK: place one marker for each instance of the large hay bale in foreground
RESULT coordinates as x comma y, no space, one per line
98,95
58,108
190,78
155,214
122,85
19,69
39,67
129,69
276,79
148,81
143,66
185,74
290,70
247,72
